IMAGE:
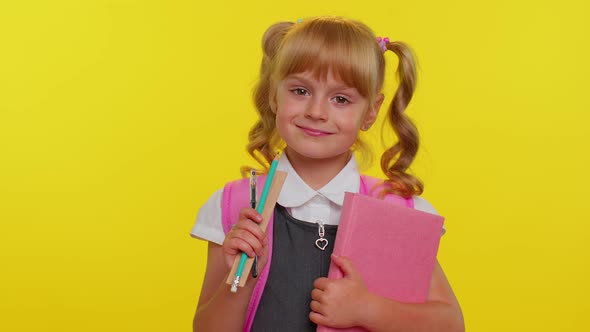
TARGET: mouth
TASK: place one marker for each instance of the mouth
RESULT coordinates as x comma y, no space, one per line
313,132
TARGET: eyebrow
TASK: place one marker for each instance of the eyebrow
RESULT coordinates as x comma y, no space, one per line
339,86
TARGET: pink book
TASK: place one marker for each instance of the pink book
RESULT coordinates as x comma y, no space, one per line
392,246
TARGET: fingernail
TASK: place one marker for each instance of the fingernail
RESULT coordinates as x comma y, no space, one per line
259,218
265,241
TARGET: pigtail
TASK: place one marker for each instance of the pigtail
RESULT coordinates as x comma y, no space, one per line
263,140
396,159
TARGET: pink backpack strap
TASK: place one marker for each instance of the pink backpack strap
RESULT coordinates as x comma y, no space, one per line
236,195
370,187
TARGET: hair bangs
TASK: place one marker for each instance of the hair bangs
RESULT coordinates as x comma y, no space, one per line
332,46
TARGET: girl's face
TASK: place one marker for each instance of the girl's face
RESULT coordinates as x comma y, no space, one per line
320,119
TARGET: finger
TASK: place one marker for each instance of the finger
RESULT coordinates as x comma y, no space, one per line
318,318
247,232
251,226
316,307
255,243
236,245
321,283
317,295
251,214
346,266
248,227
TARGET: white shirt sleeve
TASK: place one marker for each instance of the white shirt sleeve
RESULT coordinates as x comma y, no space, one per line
423,205
208,226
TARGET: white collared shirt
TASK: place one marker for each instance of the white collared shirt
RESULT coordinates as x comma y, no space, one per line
301,201
324,205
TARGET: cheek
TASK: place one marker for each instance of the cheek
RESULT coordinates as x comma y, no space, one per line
282,123
281,117
351,128
352,123
287,111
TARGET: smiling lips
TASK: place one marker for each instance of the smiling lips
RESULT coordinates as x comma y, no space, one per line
314,132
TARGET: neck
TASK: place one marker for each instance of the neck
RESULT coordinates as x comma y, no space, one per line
316,173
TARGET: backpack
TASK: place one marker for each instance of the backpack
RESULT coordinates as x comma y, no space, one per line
236,196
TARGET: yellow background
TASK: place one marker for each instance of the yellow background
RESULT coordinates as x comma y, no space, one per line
119,118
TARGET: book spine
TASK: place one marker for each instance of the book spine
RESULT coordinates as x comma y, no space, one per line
344,229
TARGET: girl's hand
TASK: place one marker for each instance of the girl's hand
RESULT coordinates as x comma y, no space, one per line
339,303
246,236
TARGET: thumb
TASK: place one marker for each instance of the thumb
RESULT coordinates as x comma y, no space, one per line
346,266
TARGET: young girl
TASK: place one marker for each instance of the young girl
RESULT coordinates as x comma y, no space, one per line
320,85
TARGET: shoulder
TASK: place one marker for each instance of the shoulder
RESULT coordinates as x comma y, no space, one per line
422,204
213,203
220,210
208,225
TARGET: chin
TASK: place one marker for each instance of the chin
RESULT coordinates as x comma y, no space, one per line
317,154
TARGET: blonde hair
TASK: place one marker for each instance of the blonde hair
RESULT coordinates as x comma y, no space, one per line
348,49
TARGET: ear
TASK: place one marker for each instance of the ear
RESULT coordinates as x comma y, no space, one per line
273,104
272,99
372,113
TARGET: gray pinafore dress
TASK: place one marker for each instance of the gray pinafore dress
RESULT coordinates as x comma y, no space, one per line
296,263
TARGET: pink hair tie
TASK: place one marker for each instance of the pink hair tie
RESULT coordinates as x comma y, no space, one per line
383,43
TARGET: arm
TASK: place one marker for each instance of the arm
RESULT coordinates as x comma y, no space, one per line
346,302
218,309
441,312
216,300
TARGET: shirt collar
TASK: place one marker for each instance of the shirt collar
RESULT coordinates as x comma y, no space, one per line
296,192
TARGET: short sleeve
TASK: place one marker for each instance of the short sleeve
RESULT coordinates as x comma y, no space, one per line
423,205
208,226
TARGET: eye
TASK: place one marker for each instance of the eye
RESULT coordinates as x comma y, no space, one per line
299,91
341,100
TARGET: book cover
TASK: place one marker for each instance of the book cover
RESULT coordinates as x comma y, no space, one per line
392,246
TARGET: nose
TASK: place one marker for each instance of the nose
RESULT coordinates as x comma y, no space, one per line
316,110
